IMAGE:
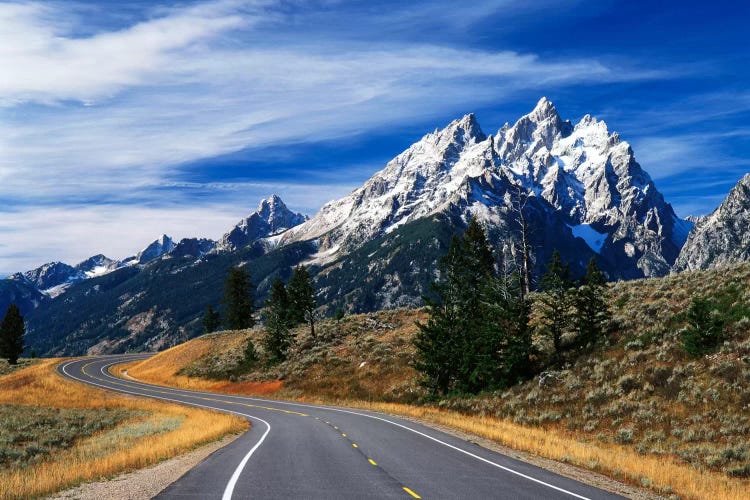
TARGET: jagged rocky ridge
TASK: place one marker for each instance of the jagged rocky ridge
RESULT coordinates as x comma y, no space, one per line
720,238
579,182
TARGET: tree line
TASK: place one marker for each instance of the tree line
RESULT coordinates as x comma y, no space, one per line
288,305
479,335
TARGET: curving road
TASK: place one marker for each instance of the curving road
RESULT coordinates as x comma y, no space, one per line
296,450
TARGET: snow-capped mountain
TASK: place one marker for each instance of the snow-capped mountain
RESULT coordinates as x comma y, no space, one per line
722,237
583,176
54,278
271,218
51,275
160,246
97,265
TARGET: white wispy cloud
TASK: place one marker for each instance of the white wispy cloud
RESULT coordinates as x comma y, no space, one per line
108,113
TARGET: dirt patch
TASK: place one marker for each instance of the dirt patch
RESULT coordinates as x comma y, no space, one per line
251,388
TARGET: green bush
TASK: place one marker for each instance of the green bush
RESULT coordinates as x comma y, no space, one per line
705,329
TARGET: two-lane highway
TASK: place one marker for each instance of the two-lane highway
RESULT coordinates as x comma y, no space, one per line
296,450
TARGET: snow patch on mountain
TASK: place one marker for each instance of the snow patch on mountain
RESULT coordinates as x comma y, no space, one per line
593,238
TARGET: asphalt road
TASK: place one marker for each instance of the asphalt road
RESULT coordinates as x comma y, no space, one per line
305,451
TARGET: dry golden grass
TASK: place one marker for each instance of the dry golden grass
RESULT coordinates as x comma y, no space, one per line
165,367
127,447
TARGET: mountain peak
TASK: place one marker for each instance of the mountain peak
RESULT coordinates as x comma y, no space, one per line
544,109
272,201
270,218
162,245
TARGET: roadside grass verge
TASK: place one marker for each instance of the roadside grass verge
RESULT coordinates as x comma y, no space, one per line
92,433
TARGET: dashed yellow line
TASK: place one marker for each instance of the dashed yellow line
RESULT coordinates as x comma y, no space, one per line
343,435
355,445
410,492
372,462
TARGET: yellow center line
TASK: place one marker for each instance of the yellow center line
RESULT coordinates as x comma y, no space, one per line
335,427
343,435
355,445
410,492
372,461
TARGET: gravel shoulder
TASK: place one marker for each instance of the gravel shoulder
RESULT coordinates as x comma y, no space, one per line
143,484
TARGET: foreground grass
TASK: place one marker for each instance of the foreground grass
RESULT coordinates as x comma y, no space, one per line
131,433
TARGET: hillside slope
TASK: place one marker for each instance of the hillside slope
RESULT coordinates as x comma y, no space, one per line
640,391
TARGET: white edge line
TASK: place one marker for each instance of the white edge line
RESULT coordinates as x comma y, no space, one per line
321,407
229,490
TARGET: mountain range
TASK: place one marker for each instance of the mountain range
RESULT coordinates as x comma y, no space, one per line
576,188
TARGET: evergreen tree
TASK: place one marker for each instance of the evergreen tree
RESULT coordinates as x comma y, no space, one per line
476,270
301,299
436,341
251,355
705,328
278,338
239,298
12,330
508,331
592,312
453,351
211,320
556,302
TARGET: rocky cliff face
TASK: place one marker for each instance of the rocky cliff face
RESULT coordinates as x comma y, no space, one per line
722,237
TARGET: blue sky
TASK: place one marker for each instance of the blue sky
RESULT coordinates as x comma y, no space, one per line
120,122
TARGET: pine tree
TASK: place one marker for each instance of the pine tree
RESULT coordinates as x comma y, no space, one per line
211,320
277,339
239,298
705,329
12,331
556,302
436,341
453,352
477,268
250,355
301,299
509,331
592,316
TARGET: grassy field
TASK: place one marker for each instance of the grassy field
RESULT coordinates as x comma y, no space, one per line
57,433
638,408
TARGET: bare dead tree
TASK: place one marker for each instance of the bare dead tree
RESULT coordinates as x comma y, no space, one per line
519,199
